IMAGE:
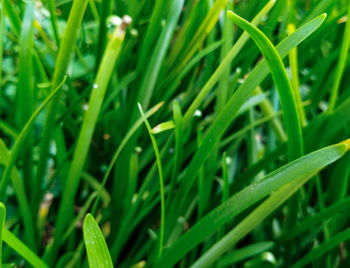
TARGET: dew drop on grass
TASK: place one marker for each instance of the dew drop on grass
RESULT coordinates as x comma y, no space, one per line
198,113
85,107
94,85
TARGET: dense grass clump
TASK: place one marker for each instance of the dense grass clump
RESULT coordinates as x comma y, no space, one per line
181,133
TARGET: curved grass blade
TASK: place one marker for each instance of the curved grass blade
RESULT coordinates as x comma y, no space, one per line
283,85
96,247
259,214
161,181
303,167
12,241
230,110
21,137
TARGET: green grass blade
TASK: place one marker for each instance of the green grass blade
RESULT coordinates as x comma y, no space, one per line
81,150
25,95
161,181
63,59
178,118
159,52
95,244
123,143
275,200
243,253
283,85
53,20
24,208
12,241
304,166
230,110
341,63
315,220
224,65
2,227
21,138
322,249
294,67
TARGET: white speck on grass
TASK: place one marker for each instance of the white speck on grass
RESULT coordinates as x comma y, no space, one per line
94,85
85,107
197,113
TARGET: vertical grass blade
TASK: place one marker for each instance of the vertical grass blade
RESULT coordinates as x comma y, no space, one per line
293,63
63,59
25,92
96,247
81,150
161,181
2,227
341,63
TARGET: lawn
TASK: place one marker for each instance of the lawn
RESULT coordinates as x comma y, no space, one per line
181,133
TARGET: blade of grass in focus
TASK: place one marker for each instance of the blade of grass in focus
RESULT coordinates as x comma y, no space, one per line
99,89
96,246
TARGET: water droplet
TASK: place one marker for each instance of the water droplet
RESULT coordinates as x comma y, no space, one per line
85,107
94,85
198,113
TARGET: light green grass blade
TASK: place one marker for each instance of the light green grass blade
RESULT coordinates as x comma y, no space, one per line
214,78
168,125
63,59
259,214
283,85
2,227
151,74
303,167
16,244
25,92
90,118
245,252
161,181
294,67
95,244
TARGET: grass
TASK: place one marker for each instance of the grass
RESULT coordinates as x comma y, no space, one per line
174,133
